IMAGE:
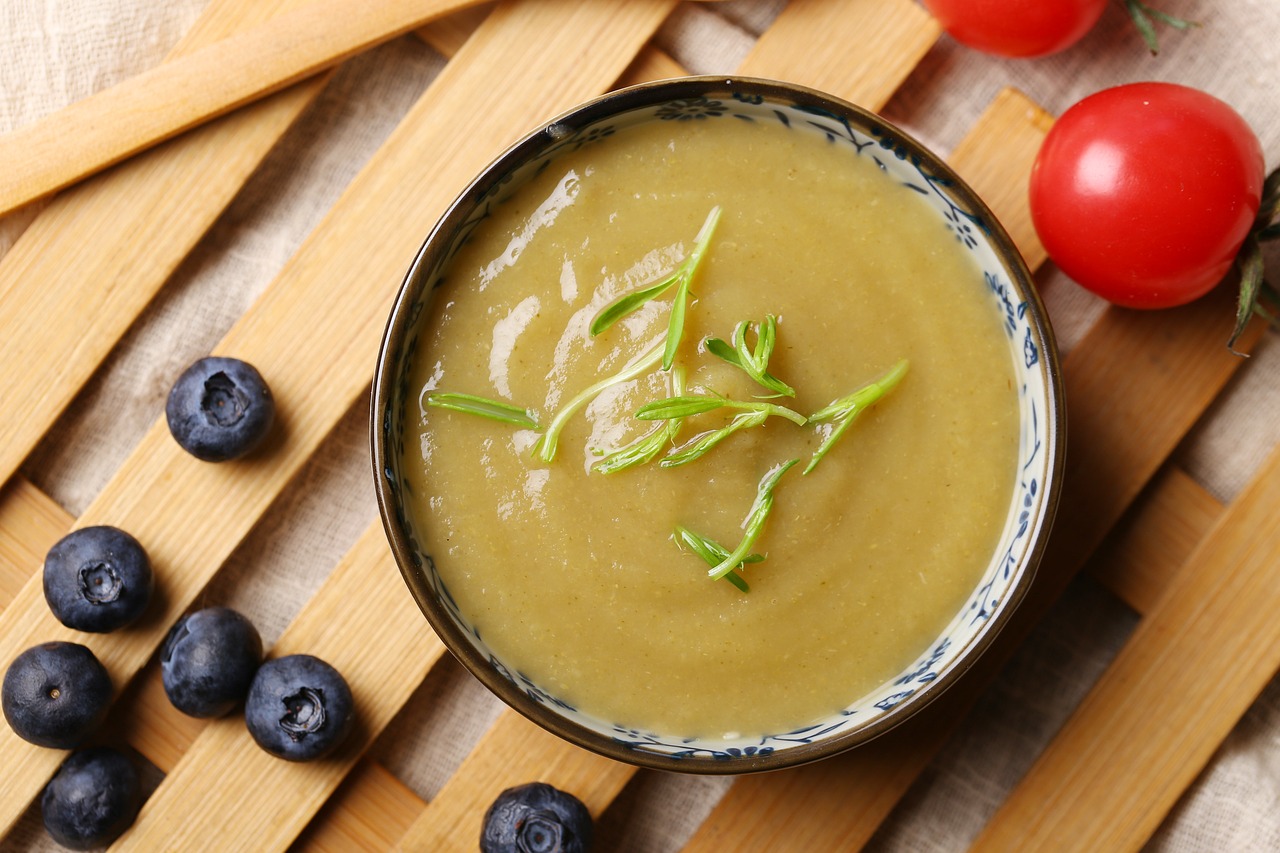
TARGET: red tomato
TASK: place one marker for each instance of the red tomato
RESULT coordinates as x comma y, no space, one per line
1145,192
1019,28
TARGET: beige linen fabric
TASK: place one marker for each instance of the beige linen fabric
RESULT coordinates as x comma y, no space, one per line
56,51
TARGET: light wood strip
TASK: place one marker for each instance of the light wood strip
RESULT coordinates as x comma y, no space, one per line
448,34
158,104
314,332
371,810
98,253
226,773
30,522
1161,370
1180,684
997,165
514,751
1140,558
860,50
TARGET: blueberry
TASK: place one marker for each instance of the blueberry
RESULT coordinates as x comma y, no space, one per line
55,694
220,409
93,798
536,818
298,708
97,579
208,660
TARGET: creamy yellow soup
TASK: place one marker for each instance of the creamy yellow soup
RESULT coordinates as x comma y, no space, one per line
574,577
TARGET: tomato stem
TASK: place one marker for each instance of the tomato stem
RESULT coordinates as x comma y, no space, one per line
1256,293
1144,17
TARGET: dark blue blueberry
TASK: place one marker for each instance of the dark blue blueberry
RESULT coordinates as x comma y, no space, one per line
298,708
208,660
97,579
55,694
220,409
536,818
92,800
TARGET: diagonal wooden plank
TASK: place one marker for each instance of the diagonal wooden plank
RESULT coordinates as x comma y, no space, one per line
1195,663
99,131
225,771
98,253
860,50
1141,556
30,522
314,332
371,810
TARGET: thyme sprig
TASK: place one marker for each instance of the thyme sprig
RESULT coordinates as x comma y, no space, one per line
680,279
1255,291
494,410
753,524
649,445
754,361
712,552
752,413
846,410
545,448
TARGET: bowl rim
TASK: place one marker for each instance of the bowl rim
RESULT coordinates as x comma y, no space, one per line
399,322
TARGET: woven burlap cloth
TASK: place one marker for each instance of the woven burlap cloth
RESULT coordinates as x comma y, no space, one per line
56,51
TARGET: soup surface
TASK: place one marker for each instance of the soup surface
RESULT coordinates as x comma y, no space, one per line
574,577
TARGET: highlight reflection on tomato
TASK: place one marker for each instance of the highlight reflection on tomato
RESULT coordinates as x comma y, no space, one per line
1017,28
1144,193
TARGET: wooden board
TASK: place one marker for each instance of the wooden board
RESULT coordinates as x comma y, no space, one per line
1198,570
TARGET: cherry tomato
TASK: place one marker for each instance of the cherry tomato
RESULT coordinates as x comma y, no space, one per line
1018,28
1145,192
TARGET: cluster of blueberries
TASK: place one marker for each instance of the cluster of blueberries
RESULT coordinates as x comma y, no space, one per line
297,707
99,579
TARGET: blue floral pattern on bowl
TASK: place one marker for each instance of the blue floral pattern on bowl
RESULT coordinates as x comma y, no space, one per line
904,161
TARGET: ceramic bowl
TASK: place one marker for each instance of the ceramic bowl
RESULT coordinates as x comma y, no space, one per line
1012,298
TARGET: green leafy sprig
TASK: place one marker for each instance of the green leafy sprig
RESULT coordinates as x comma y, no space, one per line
680,279
846,410
1144,17
1255,291
754,361
753,525
494,410
752,414
649,445
545,448
712,552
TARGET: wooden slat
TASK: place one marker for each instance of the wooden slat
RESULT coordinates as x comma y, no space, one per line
371,810
224,770
98,253
1140,558
95,132
313,333
1180,684
814,43
30,522
997,165
514,751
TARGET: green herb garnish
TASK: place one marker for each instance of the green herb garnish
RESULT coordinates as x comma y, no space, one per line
712,552
680,278
846,410
494,410
1255,291
753,525
649,445
545,449
753,361
753,414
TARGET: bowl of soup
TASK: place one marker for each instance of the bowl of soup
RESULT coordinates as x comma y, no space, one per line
717,426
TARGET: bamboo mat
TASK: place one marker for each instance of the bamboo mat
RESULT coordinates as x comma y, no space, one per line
1131,703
